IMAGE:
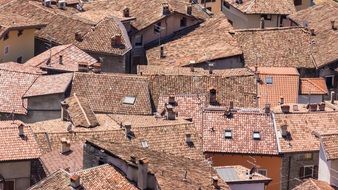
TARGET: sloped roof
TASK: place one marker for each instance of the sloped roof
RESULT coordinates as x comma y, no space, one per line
283,7
107,92
80,112
49,84
166,167
100,177
276,47
71,57
313,184
212,39
14,147
313,86
330,146
319,17
242,126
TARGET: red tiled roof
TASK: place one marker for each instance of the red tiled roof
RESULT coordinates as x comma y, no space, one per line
14,147
49,84
71,57
313,184
242,126
100,177
73,160
330,146
313,86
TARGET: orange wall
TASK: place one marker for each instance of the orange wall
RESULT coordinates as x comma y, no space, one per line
272,163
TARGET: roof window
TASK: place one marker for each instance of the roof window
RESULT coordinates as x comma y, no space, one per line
268,80
256,135
144,144
228,134
130,100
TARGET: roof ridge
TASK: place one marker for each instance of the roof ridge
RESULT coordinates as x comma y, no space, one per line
82,110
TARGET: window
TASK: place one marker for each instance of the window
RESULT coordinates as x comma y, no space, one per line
329,81
226,4
6,50
144,144
266,17
228,134
256,135
183,22
130,100
268,80
157,27
213,99
138,40
20,32
6,36
9,185
306,172
262,171
297,2
19,59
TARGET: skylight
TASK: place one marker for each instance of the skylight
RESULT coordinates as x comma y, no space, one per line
256,135
228,134
144,144
268,80
130,100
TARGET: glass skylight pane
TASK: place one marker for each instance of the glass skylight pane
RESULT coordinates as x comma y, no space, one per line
129,100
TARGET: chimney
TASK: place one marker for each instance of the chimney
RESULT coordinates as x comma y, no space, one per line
96,68
171,100
65,146
312,32
64,112
127,129
321,106
165,9
126,12
83,67
78,36
284,129
215,182
116,41
171,115
262,23
75,181
142,173
312,107
162,52
281,101
267,108
333,97
21,132
333,25
295,108
211,65
192,63
61,60
189,10
231,107
188,139
285,108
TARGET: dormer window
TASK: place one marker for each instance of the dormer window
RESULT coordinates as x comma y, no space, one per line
228,134
129,100
256,135
268,80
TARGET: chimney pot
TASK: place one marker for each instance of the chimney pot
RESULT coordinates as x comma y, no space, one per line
75,181
126,12
21,131
262,23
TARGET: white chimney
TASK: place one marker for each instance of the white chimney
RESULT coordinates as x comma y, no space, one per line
65,146
142,173
21,131
75,181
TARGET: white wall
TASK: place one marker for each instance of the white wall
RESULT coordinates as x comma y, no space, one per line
323,167
251,186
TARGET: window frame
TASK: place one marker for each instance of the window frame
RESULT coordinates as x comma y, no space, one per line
312,167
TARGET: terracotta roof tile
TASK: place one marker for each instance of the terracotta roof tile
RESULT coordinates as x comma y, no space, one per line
114,93
100,177
242,126
80,112
73,160
71,57
212,39
313,184
49,84
167,168
284,7
319,18
237,85
14,147
304,129
330,146
313,86
275,47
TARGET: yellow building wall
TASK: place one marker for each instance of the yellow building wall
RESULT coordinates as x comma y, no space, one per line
22,45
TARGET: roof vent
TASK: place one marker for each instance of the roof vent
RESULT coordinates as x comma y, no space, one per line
126,12
47,3
65,146
75,181
165,9
62,4
189,10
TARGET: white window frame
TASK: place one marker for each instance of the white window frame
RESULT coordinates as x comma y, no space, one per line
226,134
266,80
312,169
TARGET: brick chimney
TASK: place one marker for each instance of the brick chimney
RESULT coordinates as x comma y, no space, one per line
116,41
142,173
75,182
126,12
262,23
165,9
189,9
21,131
65,146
